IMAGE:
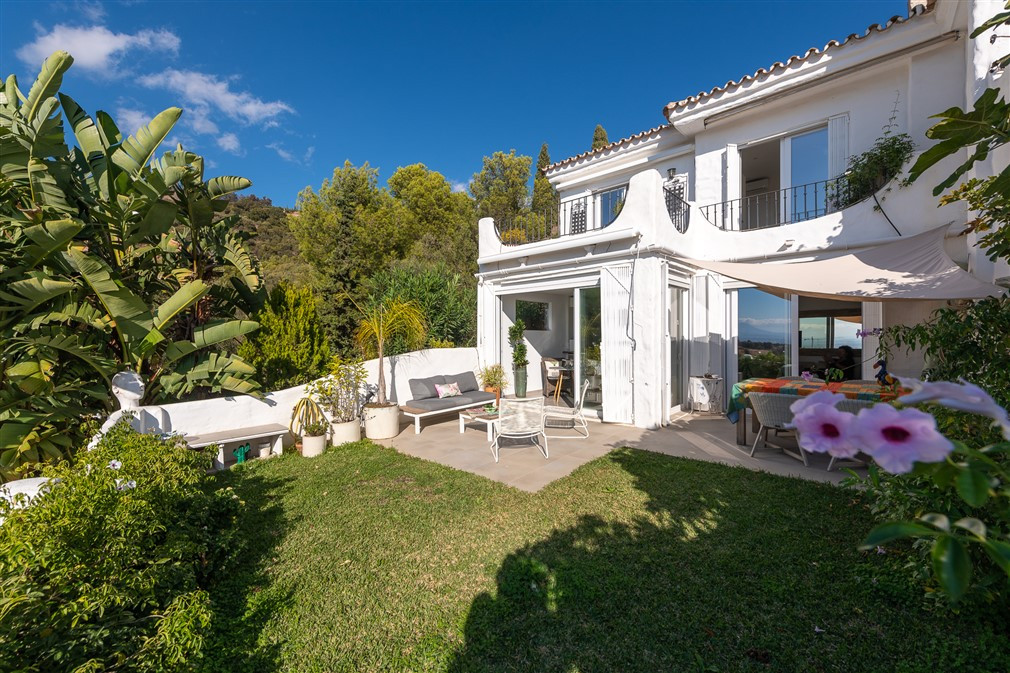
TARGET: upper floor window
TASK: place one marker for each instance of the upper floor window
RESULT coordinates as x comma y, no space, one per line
610,203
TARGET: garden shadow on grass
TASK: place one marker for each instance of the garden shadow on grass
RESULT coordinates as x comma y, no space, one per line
243,601
716,574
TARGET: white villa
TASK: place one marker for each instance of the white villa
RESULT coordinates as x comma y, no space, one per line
662,239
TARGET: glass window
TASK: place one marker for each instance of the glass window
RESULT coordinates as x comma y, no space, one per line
535,314
591,336
764,334
611,202
808,164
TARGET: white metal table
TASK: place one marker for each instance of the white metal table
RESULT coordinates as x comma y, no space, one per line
478,416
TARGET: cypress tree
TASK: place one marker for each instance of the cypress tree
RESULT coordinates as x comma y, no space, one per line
600,137
544,197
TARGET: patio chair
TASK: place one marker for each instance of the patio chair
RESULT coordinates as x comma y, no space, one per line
772,412
550,374
520,419
568,417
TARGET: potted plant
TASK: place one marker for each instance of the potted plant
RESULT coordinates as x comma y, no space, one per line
338,394
308,421
380,321
314,439
519,361
493,379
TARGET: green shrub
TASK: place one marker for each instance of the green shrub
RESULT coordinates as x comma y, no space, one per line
290,347
971,342
109,570
448,302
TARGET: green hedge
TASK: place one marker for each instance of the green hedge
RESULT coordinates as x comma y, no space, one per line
109,570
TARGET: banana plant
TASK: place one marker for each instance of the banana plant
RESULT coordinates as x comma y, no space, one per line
111,258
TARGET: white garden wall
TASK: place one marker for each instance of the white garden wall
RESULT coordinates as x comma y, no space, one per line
223,414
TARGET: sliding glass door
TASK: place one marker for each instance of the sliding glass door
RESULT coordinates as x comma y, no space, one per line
589,366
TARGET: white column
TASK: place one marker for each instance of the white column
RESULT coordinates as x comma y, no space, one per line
794,330
785,178
838,144
731,183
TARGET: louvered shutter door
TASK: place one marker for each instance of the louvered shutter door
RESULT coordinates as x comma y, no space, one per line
616,349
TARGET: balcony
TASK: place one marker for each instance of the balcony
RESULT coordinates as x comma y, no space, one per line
571,218
785,206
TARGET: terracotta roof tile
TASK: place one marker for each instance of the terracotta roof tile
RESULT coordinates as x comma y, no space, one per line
779,65
761,72
610,146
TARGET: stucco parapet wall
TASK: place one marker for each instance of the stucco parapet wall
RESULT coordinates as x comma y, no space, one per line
912,209
635,221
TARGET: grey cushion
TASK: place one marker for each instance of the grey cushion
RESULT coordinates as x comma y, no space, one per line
422,389
474,398
467,381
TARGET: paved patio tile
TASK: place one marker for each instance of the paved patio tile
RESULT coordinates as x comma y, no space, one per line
709,438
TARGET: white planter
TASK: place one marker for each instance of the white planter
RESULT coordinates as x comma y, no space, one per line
313,446
382,422
342,433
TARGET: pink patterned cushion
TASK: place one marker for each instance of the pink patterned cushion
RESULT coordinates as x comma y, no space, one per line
447,390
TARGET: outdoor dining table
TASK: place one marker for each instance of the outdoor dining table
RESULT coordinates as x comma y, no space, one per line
854,390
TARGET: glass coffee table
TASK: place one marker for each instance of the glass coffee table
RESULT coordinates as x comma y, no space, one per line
478,415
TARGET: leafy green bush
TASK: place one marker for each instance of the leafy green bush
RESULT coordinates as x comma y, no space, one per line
109,570
448,302
762,365
290,347
973,343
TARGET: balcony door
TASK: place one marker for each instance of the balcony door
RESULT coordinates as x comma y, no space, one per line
805,169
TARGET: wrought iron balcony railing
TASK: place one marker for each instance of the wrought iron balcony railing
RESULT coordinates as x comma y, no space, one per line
784,206
572,217
677,207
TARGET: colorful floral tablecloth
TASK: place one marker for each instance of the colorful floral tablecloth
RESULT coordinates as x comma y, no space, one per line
854,390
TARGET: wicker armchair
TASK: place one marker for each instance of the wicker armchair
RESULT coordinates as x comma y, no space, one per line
568,417
773,413
520,419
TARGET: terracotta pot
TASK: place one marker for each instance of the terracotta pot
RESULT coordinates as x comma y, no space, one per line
313,446
345,432
382,422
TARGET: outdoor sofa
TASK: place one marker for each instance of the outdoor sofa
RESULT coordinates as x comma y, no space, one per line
426,401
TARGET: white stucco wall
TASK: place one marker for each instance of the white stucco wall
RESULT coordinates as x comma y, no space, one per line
228,413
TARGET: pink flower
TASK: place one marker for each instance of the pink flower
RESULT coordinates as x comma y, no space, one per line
820,397
824,429
962,396
898,439
807,376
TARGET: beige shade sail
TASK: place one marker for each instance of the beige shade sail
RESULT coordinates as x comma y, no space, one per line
911,268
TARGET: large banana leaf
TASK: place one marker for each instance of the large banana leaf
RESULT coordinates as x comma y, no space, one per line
45,190
137,150
158,220
184,297
48,238
91,141
129,313
223,330
23,297
226,184
47,83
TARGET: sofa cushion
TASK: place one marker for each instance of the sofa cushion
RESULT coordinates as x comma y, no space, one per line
447,390
475,397
436,404
467,381
422,389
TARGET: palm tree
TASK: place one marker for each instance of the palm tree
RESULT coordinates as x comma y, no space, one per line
383,320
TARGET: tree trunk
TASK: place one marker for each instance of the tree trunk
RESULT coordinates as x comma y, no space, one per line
382,378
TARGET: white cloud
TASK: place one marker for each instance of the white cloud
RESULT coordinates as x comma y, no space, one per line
765,322
308,153
95,48
206,91
130,119
229,143
92,11
459,187
199,120
281,152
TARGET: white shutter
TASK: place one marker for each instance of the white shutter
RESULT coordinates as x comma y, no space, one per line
617,347
838,145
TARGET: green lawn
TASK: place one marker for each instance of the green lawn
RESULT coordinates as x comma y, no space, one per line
368,560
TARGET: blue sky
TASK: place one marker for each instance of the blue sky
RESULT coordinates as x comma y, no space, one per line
283,92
